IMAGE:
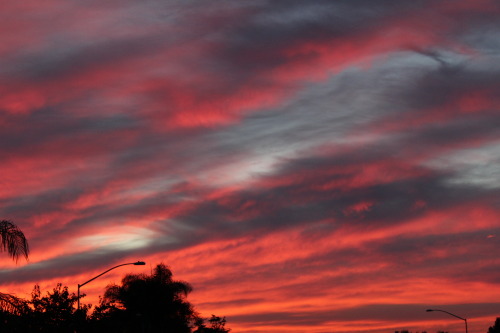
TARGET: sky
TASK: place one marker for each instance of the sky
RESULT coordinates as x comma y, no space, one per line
308,166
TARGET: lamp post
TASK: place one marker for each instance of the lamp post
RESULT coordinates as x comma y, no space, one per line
138,263
451,314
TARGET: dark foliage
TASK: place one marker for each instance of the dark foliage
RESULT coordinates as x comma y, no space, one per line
55,312
496,327
217,325
149,303
142,303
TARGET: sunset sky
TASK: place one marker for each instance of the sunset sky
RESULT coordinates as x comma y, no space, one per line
308,166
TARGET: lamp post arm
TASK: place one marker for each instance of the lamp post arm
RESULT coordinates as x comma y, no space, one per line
451,314
95,277
454,315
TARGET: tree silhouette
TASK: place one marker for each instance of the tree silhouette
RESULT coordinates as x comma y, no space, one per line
12,241
149,303
12,304
142,303
495,328
53,312
217,325
56,310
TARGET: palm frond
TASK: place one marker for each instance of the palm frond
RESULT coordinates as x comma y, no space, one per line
13,241
12,304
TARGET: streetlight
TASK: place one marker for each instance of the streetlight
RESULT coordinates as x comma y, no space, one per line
138,263
451,314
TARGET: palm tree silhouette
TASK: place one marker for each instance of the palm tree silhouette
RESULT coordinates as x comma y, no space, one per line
152,303
12,241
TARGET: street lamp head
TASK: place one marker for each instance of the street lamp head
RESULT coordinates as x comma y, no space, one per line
139,263
429,310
